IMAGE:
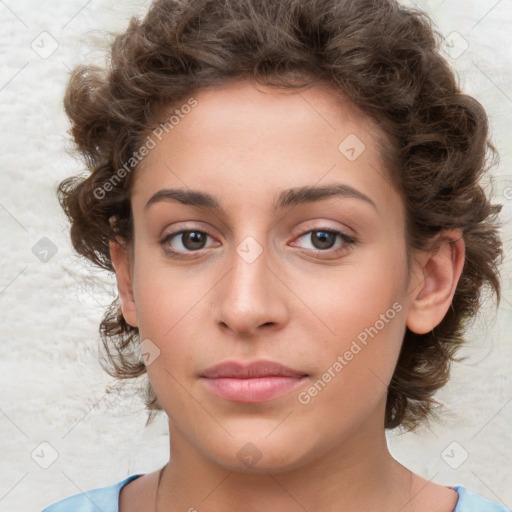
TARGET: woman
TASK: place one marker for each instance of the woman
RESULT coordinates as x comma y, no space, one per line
288,193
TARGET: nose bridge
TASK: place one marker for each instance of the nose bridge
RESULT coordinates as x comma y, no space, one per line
248,299
248,276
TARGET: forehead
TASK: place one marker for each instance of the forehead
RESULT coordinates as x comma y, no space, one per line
245,136
245,103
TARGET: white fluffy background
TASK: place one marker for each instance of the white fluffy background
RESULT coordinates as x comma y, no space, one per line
54,390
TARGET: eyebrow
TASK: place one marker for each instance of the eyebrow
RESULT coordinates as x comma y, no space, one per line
286,198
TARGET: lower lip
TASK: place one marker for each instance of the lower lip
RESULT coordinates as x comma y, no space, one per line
252,390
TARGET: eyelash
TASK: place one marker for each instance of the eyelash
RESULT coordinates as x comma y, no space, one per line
348,242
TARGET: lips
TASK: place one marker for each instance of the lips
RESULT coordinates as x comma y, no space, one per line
259,381
234,370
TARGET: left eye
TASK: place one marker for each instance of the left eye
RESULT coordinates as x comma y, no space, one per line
323,239
190,240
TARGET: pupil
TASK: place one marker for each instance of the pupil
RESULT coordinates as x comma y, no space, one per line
197,239
325,240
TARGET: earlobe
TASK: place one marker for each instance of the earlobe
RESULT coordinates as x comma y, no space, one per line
432,294
120,257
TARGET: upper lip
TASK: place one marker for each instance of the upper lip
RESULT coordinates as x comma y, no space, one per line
255,369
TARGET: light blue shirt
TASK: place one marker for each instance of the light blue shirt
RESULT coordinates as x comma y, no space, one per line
106,499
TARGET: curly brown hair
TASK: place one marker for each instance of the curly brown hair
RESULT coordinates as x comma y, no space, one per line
383,57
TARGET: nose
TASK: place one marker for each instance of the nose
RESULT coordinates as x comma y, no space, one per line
251,297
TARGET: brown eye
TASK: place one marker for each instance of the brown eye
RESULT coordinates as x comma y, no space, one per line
193,240
323,239
184,241
323,242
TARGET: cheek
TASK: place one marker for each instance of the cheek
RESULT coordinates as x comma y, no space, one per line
364,311
341,302
354,374
172,308
171,322
164,296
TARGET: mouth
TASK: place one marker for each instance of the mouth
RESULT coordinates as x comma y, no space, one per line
259,381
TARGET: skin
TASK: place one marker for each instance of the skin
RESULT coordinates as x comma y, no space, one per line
298,303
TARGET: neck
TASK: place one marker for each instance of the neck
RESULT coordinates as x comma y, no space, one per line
359,473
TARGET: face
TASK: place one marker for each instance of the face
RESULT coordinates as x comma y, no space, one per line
273,267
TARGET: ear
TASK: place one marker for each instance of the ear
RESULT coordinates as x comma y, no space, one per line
121,260
439,271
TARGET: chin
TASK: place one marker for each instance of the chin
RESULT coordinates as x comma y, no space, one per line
260,456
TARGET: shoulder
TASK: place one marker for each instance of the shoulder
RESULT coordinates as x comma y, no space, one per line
104,499
469,502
